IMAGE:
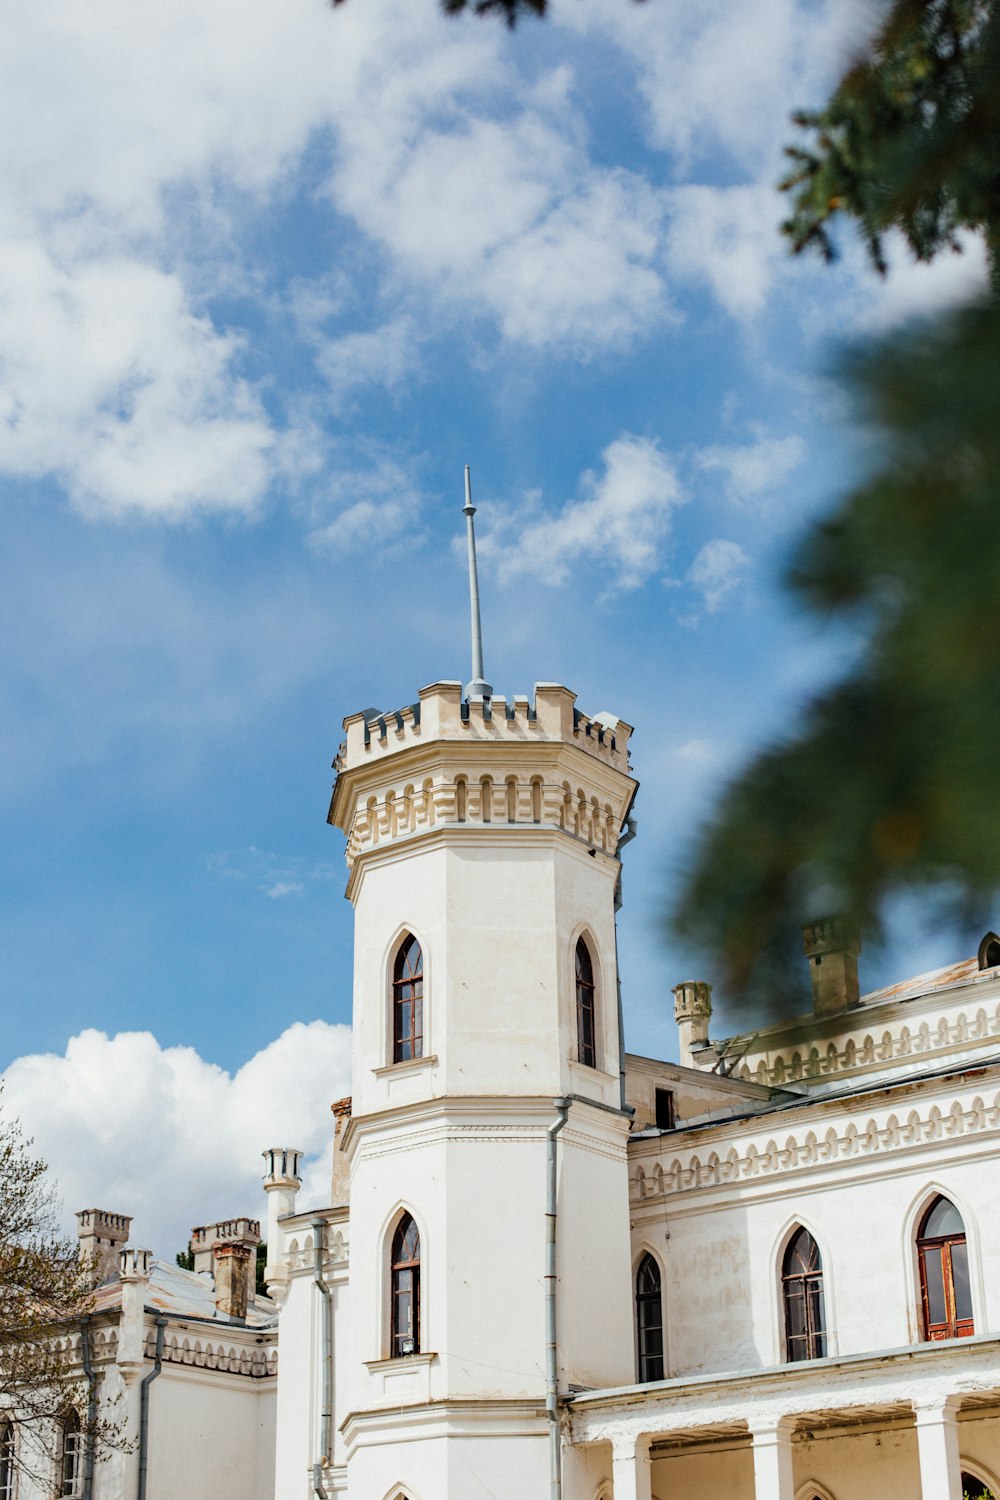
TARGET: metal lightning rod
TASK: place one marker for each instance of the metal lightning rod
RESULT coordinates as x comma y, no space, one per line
478,687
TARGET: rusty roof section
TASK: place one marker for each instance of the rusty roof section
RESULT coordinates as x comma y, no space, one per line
185,1294
963,972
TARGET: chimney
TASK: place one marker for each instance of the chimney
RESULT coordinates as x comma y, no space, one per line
341,1186
101,1237
135,1269
692,1012
832,946
281,1184
229,1251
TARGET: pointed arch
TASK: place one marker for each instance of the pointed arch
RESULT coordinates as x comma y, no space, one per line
586,1003
7,1460
813,1491
70,1455
802,1299
648,1290
407,1002
943,1263
989,951
912,1228
404,1288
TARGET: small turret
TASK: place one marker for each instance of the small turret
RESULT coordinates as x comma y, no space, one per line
692,1012
281,1184
101,1237
832,948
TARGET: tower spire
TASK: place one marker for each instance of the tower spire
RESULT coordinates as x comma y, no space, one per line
478,687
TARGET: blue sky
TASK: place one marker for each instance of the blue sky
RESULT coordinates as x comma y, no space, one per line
271,275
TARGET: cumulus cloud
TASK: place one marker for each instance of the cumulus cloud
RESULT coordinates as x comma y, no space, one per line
621,521
385,356
717,570
754,469
376,503
158,1132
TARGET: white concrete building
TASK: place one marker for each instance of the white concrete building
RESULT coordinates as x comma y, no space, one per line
183,1362
771,1272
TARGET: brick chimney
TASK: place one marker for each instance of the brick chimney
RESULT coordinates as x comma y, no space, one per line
832,947
229,1251
692,1012
340,1187
101,1237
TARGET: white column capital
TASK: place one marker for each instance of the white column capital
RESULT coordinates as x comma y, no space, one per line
772,1457
937,1448
631,1467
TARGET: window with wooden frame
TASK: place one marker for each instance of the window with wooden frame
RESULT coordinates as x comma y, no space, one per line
71,1457
802,1299
586,1020
943,1256
7,1461
649,1319
408,1001
405,1289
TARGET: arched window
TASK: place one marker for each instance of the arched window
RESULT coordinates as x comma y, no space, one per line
6,1461
405,1289
408,1002
802,1295
975,1489
71,1457
944,1273
989,951
586,1030
649,1319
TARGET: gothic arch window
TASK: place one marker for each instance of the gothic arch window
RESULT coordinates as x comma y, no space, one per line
802,1298
408,1001
7,1461
989,951
404,1289
649,1319
586,1014
943,1257
71,1457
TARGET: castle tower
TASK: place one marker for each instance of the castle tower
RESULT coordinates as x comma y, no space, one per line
482,837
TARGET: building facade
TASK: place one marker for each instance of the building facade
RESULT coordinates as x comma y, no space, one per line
768,1272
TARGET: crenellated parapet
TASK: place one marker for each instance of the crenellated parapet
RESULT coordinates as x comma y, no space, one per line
512,762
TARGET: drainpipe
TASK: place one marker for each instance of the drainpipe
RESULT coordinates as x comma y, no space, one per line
551,1349
326,1411
88,1370
147,1381
627,836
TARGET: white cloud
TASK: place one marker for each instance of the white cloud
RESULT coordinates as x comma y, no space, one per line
158,1132
285,888
621,522
273,875
377,504
385,356
727,238
754,469
717,570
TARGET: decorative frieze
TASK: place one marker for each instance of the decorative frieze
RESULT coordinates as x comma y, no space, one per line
894,1132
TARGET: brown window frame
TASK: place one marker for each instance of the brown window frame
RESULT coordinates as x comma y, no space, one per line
71,1457
404,1290
586,1006
408,1001
802,1281
649,1320
943,1245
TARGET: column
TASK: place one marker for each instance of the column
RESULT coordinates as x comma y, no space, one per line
937,1448
772,1459
631,1469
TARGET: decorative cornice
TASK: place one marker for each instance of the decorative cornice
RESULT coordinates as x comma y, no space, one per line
888,1132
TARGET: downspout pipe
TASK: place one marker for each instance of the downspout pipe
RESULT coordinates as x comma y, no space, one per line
628,834
147,1381
326,1315
551,1344
91,1375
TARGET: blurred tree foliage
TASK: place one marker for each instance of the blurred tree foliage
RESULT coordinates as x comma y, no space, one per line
889,784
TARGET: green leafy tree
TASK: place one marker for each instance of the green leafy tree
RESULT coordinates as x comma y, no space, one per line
45,1292
888,786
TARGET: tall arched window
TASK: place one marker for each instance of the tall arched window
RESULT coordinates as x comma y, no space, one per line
649,1319
405,1289
6,1461
802,1295
408,1002
586,1028
71,1457
944,1273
